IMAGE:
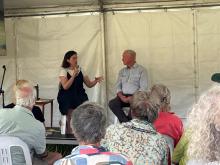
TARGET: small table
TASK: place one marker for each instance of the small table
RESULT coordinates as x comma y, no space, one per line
42,103
54,137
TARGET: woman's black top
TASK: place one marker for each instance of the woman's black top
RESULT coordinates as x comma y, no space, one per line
72,97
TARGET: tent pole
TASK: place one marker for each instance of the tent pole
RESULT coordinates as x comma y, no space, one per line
103,41
195,52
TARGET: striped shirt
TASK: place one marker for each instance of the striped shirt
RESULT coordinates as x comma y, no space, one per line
90,155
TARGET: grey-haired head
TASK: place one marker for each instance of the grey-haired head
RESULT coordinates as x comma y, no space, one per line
143,108
161,94
89,123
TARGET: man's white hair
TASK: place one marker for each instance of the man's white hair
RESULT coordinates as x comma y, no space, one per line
24,93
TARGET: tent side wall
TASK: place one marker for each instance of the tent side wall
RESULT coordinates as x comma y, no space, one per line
179,48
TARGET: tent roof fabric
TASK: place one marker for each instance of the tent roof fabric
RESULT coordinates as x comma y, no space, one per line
9,4
24,4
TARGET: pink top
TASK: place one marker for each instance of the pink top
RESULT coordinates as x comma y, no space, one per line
169,124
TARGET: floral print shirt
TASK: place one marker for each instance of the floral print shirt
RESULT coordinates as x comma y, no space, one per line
139,141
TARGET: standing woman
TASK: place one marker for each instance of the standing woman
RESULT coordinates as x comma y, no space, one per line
71,91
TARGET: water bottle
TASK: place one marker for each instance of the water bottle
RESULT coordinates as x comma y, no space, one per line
63,125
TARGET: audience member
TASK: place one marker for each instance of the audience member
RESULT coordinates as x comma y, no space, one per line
89,127
71,92
131,78
204,123
138,138
35,110
167,122
20,122
216,77
180,151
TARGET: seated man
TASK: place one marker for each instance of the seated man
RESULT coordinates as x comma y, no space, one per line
88,121
131,78
35,110
20,122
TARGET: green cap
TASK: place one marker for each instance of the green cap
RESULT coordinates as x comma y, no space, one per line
216,77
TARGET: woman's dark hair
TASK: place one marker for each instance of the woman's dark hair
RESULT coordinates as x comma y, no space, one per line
67,56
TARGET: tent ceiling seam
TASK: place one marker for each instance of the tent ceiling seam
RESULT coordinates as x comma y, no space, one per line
99,8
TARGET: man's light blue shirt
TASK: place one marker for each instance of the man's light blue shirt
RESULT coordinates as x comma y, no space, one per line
132,79
20,122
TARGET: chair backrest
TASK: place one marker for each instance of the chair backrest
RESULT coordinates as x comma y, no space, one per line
13,151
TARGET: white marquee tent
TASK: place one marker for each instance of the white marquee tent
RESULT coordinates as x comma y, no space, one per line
177,41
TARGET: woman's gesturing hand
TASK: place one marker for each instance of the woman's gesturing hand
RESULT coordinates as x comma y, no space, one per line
76,71
99,79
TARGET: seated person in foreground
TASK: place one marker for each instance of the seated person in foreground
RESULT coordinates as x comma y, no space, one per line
20,122
138,138
167,122
180,152
204,123
88,121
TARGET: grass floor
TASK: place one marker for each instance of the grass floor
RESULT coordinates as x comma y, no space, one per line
61,148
